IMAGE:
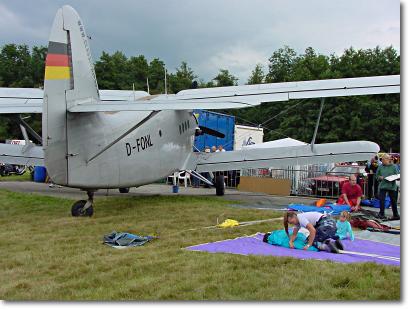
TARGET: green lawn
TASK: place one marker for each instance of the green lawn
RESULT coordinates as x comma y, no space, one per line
48,255
21,178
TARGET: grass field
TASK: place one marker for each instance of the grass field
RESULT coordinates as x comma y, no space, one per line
48,255
20,178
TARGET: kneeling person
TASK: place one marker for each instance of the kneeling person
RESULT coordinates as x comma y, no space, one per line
322,230
351,194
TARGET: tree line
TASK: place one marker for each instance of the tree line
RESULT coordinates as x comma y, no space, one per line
375,118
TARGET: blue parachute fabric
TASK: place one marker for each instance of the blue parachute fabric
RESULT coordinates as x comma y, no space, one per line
279,237
366,203
375,203
332,209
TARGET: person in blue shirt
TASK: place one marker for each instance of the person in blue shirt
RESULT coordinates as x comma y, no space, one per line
344,229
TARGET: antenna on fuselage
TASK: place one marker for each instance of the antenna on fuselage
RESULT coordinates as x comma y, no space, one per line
166,81
147,86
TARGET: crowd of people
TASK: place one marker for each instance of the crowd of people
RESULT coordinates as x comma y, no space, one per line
213,149
379,185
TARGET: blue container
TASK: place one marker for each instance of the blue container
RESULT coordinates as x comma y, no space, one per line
175,189
40,174
219,122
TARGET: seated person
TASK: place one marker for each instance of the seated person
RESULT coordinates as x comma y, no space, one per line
344,229
351,194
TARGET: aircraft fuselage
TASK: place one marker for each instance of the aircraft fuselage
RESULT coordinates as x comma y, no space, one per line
99,158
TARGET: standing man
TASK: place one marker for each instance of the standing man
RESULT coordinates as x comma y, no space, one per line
372,183
387,187
351,194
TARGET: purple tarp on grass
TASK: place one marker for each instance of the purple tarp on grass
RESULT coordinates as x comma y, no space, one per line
253,245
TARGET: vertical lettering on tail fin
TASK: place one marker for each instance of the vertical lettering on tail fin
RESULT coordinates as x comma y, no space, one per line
70,60
88,51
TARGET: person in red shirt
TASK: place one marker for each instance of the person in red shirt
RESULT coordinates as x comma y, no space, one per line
351,194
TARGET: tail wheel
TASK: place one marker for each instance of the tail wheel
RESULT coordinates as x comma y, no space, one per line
124,190
220,185
78,209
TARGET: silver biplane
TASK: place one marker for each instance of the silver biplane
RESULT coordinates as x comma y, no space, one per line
95,139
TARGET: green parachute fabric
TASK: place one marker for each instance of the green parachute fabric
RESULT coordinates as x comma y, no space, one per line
279,237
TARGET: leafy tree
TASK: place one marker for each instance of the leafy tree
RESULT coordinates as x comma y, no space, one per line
224,78
257,75
281,65
113,71
182,79
38,59
203,84
156,76
311,66
15,66
375,118
138,70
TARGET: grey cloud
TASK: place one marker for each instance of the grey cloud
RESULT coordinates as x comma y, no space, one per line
211,34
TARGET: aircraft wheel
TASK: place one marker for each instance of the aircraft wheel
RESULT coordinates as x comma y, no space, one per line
78,209
124,190
220,185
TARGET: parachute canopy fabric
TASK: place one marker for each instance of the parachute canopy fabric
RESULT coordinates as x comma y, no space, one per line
375,203
279,237
330,209
253,245
124,239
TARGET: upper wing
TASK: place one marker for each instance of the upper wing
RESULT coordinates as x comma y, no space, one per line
298,90
250,95
30,100
282,156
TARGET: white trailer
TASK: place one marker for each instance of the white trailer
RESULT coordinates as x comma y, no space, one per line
247,135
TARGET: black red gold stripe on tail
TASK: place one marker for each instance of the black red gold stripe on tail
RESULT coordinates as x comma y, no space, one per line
57,62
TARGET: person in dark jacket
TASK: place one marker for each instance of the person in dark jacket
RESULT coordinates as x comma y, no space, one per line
372,183
387,187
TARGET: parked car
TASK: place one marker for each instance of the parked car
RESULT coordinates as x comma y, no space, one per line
330,184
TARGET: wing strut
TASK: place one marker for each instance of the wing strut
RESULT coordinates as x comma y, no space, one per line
312,143
19,120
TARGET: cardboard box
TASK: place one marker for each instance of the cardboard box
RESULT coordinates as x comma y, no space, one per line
265,185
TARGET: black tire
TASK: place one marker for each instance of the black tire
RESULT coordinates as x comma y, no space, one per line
124,190
77,209
220,185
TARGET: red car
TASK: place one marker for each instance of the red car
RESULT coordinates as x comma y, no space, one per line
330,184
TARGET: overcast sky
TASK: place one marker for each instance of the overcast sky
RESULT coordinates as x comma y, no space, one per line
212,34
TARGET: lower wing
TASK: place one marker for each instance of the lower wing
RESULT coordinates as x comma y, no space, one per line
28,155
283,156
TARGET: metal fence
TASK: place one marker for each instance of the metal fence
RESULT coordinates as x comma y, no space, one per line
308,180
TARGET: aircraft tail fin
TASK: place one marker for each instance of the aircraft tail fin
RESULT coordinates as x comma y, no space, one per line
69,79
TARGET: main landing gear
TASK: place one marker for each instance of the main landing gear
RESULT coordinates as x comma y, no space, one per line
220,185
83,207
124,190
